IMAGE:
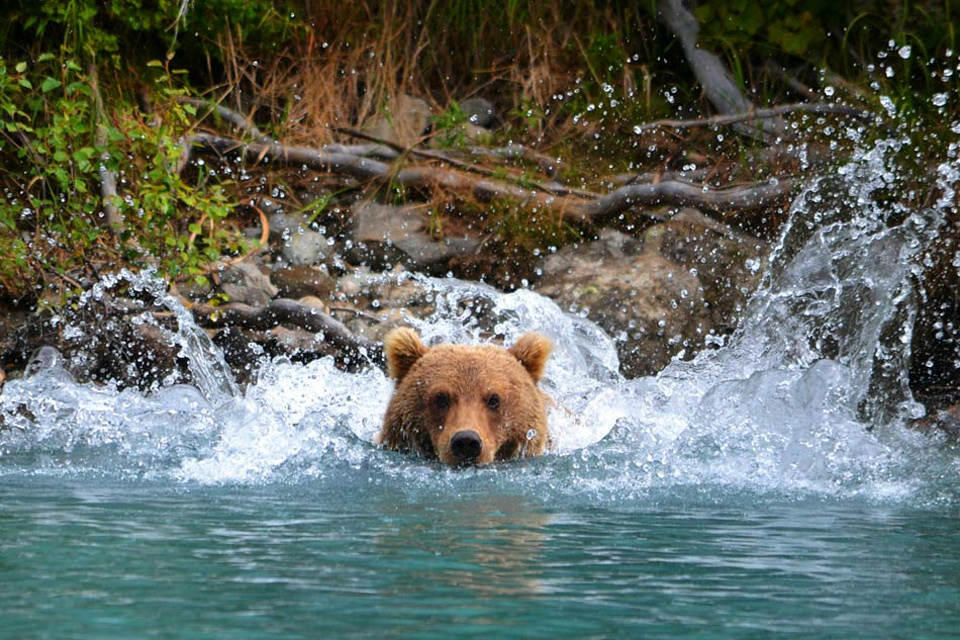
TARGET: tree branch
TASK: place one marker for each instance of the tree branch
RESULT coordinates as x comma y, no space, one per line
717,82
755,114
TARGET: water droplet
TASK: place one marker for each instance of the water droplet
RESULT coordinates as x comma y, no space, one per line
531,434
939,99
887,104
904,52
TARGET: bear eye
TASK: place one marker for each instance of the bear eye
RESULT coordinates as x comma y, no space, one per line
493,402
441,401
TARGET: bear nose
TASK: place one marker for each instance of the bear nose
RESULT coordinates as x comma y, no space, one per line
466,445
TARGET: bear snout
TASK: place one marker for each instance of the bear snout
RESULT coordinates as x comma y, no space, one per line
466,446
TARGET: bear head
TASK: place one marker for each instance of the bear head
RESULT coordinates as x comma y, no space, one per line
466,404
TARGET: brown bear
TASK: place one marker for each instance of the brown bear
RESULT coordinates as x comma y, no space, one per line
466,404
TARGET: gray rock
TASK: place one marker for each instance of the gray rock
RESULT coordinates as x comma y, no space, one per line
388,234
244,282
479,111
301,280
404,122
728,262
305,247
283,225
652,307
459,134
193,290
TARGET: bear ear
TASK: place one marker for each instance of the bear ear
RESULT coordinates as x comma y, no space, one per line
532,350
402,348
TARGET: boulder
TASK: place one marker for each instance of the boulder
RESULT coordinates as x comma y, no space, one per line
652,307
728,262
305,247
244,282
299,281
479,111
384,235
403,123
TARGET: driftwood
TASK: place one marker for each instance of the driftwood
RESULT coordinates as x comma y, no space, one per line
578,207
283,311
545,163
717,82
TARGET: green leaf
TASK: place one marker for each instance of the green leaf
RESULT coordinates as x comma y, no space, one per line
752,18
49,84
23,82
21,67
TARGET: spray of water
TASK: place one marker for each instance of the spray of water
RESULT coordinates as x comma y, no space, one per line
809,395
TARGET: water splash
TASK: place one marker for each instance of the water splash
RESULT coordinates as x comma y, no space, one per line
809,395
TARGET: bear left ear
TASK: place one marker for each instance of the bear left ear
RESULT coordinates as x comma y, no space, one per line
532,350
402,348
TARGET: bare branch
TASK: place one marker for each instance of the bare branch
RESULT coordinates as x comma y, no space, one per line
756,114
717,82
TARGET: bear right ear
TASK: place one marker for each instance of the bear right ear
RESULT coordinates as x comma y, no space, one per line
402,348
532,350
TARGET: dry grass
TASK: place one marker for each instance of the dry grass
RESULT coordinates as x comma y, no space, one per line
359,57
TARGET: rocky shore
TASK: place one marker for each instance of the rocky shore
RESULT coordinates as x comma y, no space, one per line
662,295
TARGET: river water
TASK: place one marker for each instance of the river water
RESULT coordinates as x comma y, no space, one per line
769,486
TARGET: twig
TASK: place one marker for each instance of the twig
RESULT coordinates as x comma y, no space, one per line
792,82
467,166
358,313
545,163
755,114
420,153
372,150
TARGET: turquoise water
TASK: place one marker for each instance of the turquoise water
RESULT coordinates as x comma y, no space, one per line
772,486
86,556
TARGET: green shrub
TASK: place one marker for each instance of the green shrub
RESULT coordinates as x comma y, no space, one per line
52,217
